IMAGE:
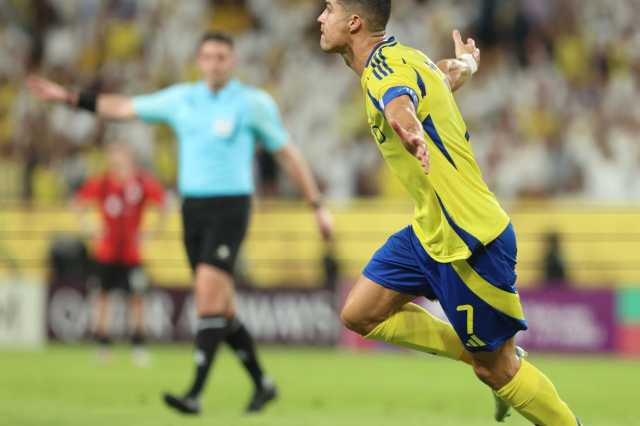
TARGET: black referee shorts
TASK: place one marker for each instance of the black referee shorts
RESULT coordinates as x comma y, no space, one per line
214,229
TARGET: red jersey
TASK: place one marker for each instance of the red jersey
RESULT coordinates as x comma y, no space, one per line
121,204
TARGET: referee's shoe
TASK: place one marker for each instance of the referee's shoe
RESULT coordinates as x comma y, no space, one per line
262,396
183,405
191,406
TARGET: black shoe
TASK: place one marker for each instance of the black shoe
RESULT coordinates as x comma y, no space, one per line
183,405
261,397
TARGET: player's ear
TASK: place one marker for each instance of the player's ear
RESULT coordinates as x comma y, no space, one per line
355,23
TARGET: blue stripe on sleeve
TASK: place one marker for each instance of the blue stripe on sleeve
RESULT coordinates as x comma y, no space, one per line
398,91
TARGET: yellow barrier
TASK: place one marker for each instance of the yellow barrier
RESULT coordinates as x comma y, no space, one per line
601,243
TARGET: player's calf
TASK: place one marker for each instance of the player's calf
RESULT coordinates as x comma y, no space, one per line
522,386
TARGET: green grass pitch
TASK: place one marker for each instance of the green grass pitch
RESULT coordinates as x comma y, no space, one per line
65,385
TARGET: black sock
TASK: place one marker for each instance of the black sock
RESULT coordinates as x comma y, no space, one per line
245,349
211,331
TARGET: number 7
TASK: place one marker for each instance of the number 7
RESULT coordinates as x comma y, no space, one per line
469,310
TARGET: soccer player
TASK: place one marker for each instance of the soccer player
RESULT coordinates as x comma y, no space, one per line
218,122
461,246
122,194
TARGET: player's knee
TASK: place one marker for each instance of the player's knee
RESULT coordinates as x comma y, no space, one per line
484,373
213,291
211,303
495,375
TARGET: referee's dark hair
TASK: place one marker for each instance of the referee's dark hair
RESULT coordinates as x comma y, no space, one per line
376,13
217,36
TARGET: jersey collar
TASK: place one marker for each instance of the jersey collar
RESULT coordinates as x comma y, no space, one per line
229,87
385,42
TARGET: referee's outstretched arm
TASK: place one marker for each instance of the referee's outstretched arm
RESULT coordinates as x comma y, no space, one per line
292,161
115,107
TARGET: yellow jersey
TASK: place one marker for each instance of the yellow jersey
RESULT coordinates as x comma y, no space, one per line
455,212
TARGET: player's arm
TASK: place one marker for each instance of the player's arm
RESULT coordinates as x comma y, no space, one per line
401,115
292,161
458,71
80,205
157,196
114,107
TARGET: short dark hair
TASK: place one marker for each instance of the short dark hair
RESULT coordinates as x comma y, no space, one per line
375,12
218,36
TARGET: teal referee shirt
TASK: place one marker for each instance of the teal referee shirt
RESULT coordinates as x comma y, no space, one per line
217,133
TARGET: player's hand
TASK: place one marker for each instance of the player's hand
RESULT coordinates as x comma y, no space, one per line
91,232
48,90
324,219
416,143
468,47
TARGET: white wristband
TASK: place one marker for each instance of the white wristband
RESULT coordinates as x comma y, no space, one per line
469,60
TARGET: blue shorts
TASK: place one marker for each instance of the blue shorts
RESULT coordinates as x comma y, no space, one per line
477,294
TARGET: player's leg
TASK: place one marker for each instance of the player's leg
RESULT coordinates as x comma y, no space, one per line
521,384
378,307
243,345
232,227
213,293
136,311
102,318
106,283
137,284
382,314
480,299
213,290
213,237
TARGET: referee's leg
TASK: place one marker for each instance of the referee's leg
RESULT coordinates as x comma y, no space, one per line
212,244
213,295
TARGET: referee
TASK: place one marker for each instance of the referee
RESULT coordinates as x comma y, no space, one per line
218,122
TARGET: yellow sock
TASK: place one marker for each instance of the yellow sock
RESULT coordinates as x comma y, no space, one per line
533,395
415,328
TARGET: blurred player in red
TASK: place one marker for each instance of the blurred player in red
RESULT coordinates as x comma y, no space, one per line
122,194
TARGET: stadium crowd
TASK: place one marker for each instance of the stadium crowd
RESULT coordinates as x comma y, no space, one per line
552,112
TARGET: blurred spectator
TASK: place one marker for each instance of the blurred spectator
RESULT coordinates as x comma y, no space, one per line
552,112
555,271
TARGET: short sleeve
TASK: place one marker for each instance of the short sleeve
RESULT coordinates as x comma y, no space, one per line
389,81
153,190
90,190
266,123
158,107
